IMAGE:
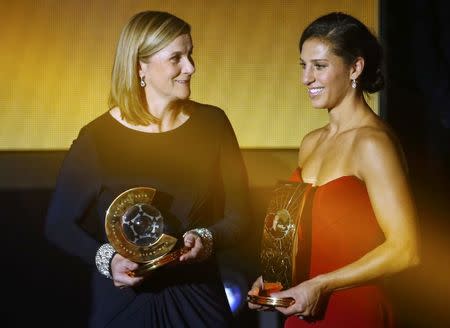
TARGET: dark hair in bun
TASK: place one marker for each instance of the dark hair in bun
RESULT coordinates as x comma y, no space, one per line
350,39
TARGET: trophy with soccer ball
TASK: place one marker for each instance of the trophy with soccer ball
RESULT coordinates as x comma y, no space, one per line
135,228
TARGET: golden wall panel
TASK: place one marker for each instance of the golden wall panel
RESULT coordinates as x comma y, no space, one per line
56,58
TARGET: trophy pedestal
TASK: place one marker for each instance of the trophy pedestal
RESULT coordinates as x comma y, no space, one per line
270,301
145,268
265,298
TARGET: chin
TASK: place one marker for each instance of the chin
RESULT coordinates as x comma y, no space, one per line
318,105
184,96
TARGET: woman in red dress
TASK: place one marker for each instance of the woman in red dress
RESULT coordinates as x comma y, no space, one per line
363,215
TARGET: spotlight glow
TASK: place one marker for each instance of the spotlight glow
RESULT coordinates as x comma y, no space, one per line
234,295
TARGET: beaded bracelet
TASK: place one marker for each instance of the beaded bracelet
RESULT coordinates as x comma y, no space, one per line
207,241
103,259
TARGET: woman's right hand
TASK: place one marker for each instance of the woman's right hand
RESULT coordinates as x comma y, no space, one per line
120,269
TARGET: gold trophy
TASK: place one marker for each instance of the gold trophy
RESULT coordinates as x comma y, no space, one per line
135,228
284,258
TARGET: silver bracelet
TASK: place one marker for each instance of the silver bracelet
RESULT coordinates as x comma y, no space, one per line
207,241
103,259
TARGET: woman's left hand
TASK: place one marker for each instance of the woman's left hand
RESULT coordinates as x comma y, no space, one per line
194,245
310,300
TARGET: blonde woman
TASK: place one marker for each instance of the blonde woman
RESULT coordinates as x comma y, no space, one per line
153,135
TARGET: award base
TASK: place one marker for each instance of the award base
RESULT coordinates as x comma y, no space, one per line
270,301
145,268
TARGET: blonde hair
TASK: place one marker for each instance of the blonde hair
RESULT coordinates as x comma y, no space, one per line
145,34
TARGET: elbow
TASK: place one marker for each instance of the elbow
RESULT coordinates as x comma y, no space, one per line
52,233
408,257
413,258
49,233
413,253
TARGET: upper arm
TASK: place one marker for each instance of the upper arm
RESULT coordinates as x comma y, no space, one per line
380,164
76,187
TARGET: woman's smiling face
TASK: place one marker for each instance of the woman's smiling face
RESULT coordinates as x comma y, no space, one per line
168,72
325,75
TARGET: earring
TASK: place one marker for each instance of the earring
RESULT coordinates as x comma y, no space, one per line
354,83
143,84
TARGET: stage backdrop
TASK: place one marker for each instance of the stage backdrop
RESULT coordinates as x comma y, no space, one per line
56,58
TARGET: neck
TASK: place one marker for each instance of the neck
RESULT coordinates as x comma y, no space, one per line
158,107
169,113
172,117
348,114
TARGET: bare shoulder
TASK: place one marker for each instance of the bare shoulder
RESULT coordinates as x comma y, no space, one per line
377,149
374,138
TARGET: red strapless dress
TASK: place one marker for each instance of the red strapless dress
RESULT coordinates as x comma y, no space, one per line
344,228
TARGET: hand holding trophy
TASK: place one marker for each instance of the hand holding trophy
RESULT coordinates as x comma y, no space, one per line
284,248
135,229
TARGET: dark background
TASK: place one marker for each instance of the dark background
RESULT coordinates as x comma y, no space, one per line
417,105
40,285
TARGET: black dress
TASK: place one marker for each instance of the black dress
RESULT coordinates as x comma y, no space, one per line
200,178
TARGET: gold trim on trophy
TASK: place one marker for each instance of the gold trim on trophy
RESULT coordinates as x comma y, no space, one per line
287,212
270,301
135,228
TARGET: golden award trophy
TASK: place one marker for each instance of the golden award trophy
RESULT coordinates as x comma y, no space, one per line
284,245
135,228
